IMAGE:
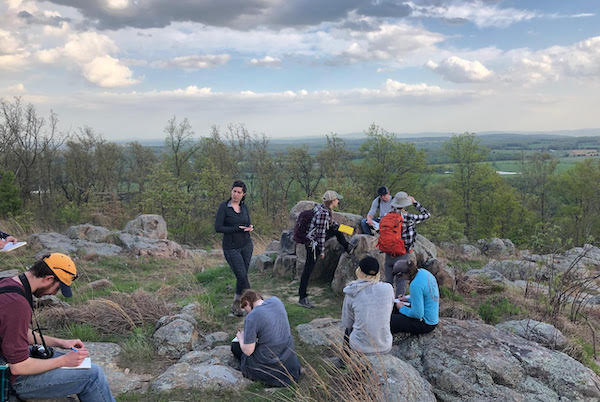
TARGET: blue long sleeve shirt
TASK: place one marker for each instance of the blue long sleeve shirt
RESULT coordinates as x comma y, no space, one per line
424,298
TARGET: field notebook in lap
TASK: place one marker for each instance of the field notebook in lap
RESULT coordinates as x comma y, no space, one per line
11,246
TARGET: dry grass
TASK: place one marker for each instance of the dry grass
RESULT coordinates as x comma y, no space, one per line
119,313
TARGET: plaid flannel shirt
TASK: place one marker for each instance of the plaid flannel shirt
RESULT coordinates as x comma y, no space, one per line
409,221
319,225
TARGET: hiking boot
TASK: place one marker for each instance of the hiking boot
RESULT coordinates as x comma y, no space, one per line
305,303
236,309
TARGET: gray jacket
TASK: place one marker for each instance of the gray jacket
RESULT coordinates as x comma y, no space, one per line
367,310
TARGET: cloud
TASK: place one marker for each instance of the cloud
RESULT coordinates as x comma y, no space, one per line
478,12
578,61
193,62
46,18
456,69
106,72
267,61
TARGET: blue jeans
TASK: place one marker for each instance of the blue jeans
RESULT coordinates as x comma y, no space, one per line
90,385
364,226
239,262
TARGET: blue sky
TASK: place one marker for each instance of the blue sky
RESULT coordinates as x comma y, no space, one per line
293,68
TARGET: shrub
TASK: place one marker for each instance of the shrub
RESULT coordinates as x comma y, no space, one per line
10,200
495,308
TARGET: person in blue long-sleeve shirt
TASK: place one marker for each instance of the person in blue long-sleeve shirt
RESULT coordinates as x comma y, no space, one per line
421,314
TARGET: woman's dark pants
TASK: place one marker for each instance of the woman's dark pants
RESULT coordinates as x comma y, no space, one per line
239,262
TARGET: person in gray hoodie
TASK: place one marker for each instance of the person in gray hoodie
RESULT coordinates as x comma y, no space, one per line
367,308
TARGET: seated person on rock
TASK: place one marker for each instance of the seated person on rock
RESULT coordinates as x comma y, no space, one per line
37,371
366,310
383,203
417,313
265,347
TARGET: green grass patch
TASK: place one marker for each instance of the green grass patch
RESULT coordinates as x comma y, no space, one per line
449,294
496,309
82,331
588,357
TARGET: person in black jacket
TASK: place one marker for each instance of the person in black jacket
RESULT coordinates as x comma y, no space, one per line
233,220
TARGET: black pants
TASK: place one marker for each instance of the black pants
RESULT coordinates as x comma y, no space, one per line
239,262
236,350
402,323
311,259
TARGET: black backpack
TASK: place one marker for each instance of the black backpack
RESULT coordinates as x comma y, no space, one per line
303,226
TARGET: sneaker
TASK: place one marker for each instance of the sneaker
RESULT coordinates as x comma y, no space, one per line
236,309
305,303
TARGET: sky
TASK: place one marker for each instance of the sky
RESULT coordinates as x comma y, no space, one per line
298,68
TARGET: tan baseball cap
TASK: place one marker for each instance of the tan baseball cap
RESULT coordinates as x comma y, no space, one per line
64,268
331,195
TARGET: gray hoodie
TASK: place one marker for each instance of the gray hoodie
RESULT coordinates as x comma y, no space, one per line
367,310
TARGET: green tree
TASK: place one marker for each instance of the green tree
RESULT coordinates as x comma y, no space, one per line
466,154
537,180
180,145
385,161
10,200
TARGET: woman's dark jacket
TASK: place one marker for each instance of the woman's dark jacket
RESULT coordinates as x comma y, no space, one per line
228,222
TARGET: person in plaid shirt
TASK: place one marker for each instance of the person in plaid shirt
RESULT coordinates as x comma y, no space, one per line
322,227
409,234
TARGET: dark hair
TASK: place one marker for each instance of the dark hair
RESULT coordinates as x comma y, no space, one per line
383,190
40,269
239,183
328,203
413,269
249,297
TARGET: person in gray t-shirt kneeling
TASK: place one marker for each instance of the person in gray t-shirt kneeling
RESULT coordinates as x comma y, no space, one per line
265,347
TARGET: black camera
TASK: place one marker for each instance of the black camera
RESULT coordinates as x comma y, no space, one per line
41,352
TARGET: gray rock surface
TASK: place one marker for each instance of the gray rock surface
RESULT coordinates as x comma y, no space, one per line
471,361
514,269
85,247
470,252
9,273
50,301
285,266
287,245
96,234
200,377
346,267
100,284
424,249
175,338
400,381
492,275
219,355
543,333
52,242
262,262
321,332
147,225
273,247
162,248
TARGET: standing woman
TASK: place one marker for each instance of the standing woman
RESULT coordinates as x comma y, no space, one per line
233,220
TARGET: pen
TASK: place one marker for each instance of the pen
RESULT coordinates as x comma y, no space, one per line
74,350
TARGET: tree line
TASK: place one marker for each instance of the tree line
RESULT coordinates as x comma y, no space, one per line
52,178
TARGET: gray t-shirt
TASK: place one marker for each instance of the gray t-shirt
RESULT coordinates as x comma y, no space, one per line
267,325
384,207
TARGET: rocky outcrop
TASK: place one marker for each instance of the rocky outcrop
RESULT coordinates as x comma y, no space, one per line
200,377
321,332
496,247
471,361
142,246
543,333
51,242
175,335
149,226
399,381
92,233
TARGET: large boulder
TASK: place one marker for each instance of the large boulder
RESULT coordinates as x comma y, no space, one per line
543,333
344,272
424,249
496,247
297,209
471,361
185,376
287,245
85,247
175,338
399,381
150,226
340,217
514,269
162,248
321,332
96,234
285,266
51,242
262,262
